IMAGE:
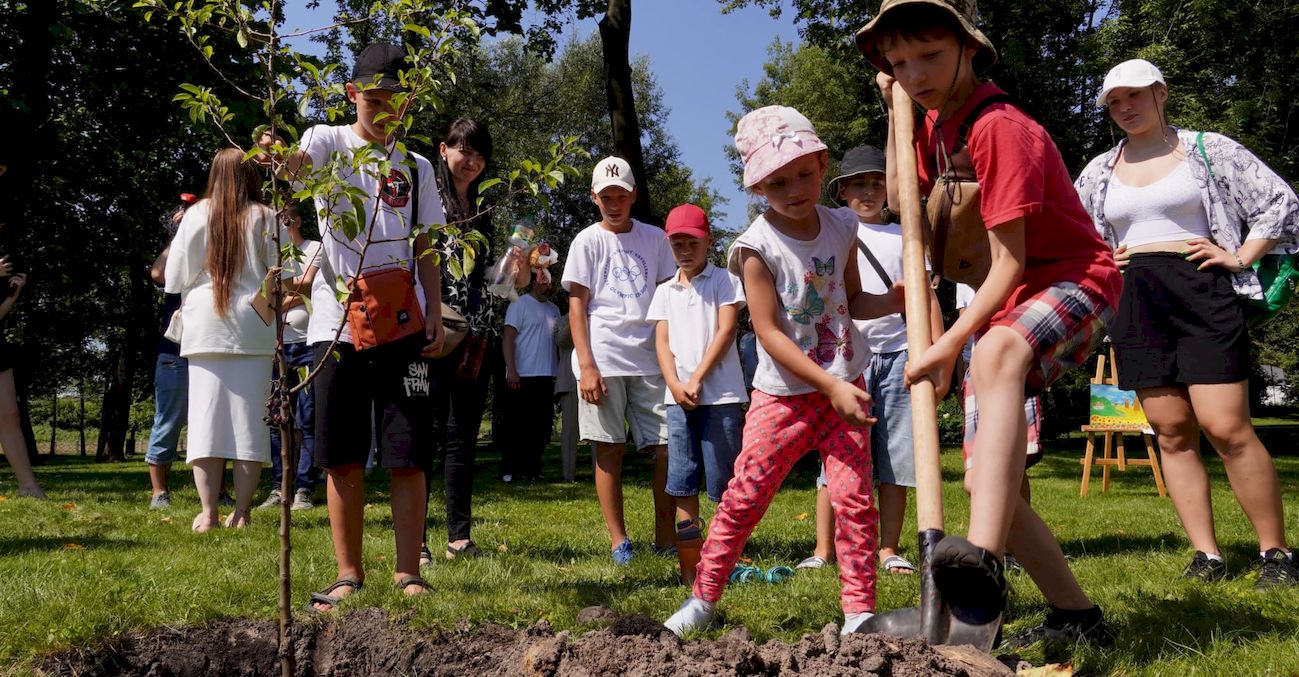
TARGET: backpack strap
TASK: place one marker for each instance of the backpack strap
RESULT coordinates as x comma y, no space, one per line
963,132
875,263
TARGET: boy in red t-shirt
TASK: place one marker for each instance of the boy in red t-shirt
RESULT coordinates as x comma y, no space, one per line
1041,310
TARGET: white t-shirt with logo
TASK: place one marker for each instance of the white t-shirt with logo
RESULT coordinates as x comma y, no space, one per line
394,222
621,270
534,347
886,334
808,278
691,313
298,317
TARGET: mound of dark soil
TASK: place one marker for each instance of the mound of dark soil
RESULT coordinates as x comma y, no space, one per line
367,642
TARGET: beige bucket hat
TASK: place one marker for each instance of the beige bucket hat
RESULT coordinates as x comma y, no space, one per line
965,12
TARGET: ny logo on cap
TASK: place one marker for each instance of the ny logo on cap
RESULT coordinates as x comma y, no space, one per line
612,170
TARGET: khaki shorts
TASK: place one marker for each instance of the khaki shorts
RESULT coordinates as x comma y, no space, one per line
634,402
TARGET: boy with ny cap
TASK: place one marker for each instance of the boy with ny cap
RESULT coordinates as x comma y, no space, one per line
390,379
612,269
696,315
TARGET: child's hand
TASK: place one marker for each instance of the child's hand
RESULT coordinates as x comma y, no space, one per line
692,388
885,82
591,385
852,404
5,266
512,379
897,297
683,397
936,365
18,281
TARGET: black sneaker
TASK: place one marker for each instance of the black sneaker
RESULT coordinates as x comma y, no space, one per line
1063,627
971,580
1278,569
1204,569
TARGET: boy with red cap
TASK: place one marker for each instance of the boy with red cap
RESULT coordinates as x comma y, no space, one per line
697,312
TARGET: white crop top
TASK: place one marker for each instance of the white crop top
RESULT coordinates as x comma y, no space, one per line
1168,210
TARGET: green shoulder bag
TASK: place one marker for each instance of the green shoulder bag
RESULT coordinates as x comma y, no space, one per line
1277,273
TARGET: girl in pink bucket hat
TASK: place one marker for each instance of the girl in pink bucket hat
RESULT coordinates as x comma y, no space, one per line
797,261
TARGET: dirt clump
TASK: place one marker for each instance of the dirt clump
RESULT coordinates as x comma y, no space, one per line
367,642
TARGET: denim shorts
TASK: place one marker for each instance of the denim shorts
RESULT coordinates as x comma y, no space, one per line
891,441
708,435
170,402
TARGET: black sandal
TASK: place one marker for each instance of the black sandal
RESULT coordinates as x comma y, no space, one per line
411,579
468,551
323,597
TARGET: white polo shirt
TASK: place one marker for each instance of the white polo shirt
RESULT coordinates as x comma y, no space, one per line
691,313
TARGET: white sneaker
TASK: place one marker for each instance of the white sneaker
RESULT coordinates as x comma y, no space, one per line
853,621
302,500
694,614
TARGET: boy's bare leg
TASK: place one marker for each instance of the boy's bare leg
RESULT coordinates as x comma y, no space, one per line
608,489
892,500
1038,551
409,497
1001,363
345,494
665,533
159,475
824,526
689,537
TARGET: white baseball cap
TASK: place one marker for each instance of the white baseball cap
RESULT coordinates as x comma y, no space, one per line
1130,73
612,171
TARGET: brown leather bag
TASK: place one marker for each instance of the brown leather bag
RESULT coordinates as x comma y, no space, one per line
384,308
958,239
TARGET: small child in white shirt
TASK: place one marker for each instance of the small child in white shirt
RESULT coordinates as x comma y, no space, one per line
697,312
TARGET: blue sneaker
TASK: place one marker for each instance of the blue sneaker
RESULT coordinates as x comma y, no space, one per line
622,553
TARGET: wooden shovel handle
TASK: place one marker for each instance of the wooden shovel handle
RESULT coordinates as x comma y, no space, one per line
924,400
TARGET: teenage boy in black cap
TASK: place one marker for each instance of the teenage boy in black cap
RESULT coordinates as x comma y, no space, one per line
391,378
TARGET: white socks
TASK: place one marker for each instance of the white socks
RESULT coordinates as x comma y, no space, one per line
694,614
853,621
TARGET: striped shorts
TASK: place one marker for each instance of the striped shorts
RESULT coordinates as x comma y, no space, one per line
1063,324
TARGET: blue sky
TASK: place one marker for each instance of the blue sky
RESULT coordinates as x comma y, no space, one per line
698,56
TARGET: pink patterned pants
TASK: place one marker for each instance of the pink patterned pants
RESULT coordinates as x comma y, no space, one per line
778,430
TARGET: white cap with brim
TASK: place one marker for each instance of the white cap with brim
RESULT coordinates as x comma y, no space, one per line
612,171
1130,73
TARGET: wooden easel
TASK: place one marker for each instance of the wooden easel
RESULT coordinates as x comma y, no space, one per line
1113,438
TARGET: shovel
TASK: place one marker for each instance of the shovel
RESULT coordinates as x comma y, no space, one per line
935,620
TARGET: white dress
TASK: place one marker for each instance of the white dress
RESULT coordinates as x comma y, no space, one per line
229,355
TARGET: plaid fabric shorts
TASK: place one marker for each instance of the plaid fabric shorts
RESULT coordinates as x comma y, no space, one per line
1063,324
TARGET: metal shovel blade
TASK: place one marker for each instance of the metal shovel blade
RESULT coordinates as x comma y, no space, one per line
935,620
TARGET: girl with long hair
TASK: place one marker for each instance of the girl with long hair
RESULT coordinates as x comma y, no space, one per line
221,253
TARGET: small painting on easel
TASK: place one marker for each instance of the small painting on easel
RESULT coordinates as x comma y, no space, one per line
1117,409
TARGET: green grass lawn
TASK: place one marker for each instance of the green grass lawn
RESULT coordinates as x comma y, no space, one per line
93,562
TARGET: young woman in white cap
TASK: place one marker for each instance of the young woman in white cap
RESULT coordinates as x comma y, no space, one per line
1188,214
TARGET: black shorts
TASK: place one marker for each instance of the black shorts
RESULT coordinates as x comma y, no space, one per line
8,355
1178,325
392,383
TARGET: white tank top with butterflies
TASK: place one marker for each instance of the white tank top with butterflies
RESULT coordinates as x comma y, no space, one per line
809,276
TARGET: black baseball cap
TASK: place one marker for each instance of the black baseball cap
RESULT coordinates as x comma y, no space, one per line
382,59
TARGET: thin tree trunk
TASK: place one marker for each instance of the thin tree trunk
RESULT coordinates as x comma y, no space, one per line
81,418
54,419
113,417
615,34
